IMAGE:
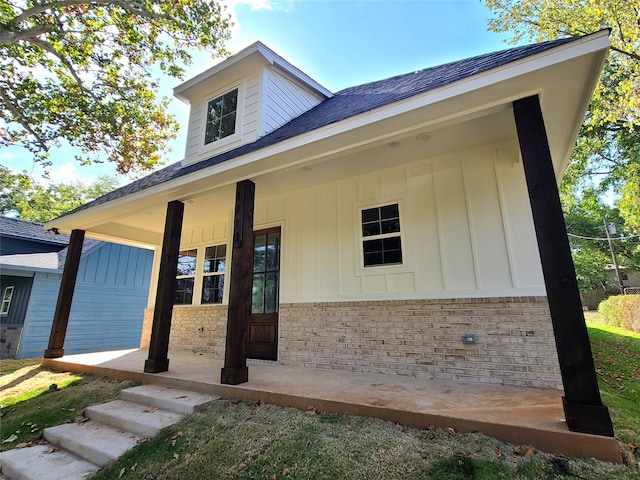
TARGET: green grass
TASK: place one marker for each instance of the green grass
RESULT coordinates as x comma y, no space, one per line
9,401
11,366
244,440
616,354
26,415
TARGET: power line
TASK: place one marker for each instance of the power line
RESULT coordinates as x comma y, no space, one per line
602,238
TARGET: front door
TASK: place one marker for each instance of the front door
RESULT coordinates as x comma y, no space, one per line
263,328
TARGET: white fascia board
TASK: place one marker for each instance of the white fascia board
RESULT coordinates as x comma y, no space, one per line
24,271
590,44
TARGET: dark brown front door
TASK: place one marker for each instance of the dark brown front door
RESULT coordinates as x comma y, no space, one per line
263,328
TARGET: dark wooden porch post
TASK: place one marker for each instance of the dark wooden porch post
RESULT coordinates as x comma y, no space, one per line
161,327
65,296
235,370
583,406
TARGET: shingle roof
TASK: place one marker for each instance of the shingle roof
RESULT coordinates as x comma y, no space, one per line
12,227
345,104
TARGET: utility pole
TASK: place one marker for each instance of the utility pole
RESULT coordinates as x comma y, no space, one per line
613,253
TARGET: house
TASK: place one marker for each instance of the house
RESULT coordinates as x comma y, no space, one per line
111,292
409,226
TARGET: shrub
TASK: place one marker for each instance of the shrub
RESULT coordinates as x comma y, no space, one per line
622,311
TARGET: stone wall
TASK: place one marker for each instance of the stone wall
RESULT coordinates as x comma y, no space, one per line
9,341
197,329
421,338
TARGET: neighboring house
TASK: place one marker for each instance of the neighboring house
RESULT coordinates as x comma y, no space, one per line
111,292
630,277
385,228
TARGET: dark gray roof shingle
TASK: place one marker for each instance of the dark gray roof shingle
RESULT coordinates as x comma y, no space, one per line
13,227
345,104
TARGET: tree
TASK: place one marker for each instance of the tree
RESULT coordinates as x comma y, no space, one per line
82,71
607,154
23,196
584,215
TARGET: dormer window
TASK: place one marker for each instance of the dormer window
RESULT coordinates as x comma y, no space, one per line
221,117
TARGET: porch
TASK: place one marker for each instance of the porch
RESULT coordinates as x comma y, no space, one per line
512,414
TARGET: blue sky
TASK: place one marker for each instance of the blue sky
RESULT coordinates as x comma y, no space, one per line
339,43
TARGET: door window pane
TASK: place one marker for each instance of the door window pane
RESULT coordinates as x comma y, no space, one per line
259,253
257,297
273,251
271,293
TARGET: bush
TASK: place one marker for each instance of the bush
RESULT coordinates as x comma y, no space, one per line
622,311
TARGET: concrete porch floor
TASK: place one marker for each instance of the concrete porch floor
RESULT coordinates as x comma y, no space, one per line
512,414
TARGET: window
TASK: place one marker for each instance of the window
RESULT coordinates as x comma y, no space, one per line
201,274
221,117
215,260
185,279
6,300
381,244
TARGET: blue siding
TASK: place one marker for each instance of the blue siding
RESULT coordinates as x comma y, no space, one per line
108,304
13,246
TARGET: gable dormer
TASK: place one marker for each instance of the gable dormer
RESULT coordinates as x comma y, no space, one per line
242,99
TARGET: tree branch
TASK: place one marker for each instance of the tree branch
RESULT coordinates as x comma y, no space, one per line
48,48
8,36
22,121
130,6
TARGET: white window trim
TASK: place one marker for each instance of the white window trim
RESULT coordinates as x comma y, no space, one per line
202,274
361,270
194,276
199,275
5,302
236,137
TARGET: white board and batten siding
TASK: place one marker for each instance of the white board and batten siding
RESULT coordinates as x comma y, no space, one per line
267,99
108,303
466,227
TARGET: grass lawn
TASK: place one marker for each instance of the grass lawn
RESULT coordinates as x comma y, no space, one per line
32,398
616,354
248,440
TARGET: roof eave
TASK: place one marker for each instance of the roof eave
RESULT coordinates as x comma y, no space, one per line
597,42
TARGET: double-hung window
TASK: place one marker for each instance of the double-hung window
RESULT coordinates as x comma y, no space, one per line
186,277
215,261
7,295
381,239
204,274
221,117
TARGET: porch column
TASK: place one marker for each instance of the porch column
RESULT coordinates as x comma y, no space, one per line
161,327
235,370
583,406
55,348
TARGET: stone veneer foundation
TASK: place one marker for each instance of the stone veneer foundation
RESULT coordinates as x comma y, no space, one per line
421,338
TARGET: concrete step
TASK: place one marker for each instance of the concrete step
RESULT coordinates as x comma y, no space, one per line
114,428
91,441
42,462
171,399
142,420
